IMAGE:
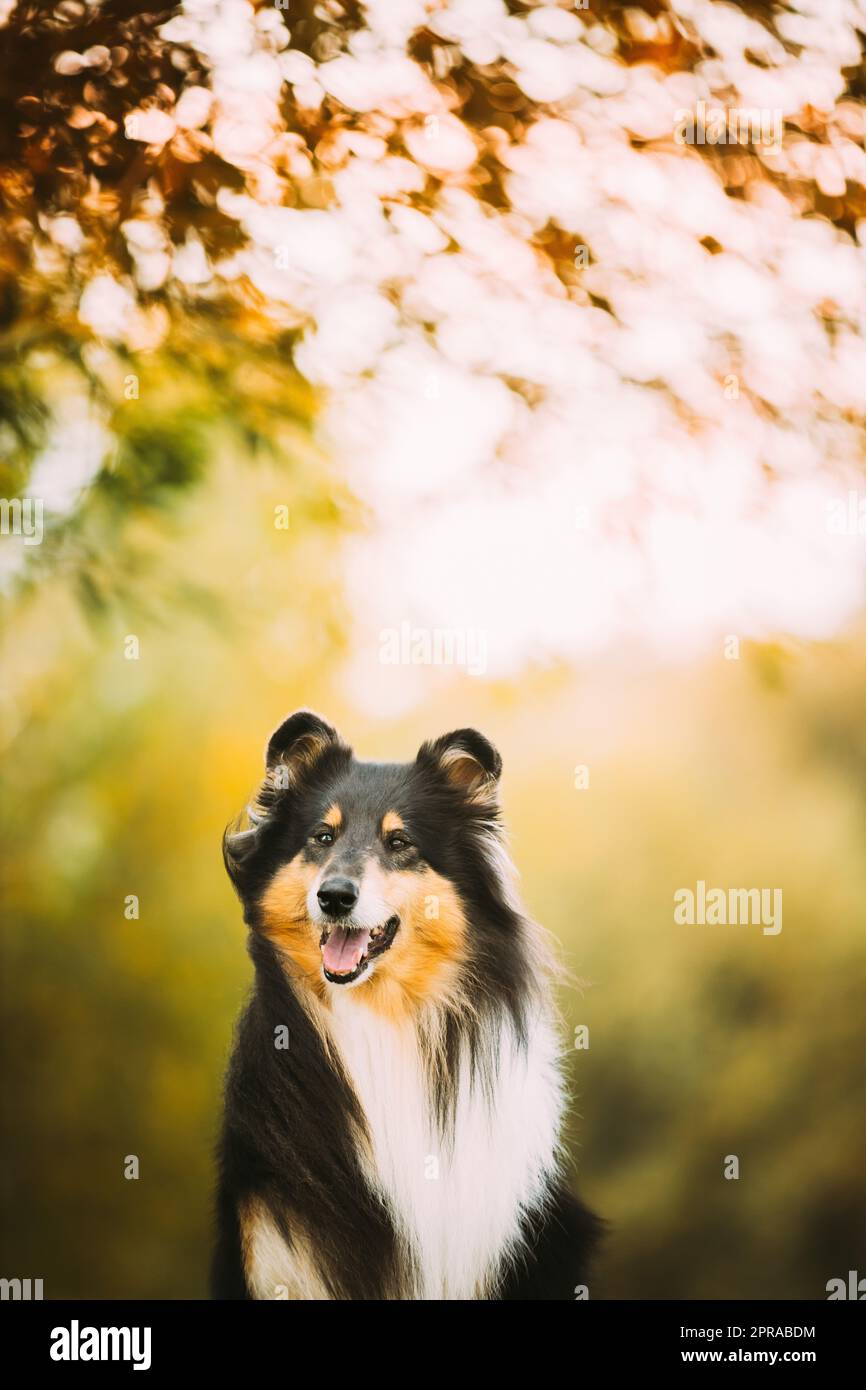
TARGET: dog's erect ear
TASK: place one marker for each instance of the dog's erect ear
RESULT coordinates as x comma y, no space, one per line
467,761
293,750
296,746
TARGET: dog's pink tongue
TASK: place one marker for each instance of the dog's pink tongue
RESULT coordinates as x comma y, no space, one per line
343,950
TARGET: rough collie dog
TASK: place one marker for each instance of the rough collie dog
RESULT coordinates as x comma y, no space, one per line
395,1096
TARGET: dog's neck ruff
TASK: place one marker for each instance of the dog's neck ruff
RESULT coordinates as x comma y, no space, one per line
458,1180
456,1191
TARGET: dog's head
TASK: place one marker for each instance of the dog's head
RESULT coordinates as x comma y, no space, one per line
361,872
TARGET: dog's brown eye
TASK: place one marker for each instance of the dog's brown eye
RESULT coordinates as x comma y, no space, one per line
398,842
324,837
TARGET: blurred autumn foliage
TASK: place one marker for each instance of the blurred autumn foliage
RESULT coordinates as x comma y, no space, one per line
70,75
121,149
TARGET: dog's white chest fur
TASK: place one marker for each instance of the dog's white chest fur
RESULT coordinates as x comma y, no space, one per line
456,1202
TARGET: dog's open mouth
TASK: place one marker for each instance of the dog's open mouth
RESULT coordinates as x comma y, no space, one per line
347,951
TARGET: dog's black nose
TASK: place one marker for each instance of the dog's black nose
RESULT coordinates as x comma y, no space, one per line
337,896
